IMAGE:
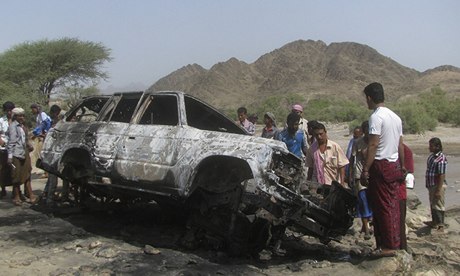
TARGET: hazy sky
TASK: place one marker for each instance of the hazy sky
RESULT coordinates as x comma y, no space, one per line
150,39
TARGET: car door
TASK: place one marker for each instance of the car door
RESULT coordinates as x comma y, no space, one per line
104,136
70,132
149,150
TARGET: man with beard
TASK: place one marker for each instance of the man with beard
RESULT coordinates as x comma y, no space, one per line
295,140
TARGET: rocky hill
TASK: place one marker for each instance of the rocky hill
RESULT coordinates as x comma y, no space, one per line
307,68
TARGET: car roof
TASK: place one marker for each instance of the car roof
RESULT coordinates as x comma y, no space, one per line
149,92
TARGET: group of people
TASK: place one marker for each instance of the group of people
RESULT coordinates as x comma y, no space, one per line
16,166
16,148
323,159
374,167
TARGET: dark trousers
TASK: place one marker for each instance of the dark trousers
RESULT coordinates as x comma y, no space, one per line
402,214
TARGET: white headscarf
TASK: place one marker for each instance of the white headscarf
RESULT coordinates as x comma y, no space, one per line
18,111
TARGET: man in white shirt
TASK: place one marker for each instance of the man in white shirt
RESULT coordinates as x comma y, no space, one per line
384,169
5,121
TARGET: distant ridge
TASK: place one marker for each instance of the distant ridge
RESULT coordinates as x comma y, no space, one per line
309,68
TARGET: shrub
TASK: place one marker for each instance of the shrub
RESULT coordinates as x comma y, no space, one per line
415,118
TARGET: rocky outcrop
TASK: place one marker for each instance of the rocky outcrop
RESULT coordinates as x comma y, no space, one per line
308,68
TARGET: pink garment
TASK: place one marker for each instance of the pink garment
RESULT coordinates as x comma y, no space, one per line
318,163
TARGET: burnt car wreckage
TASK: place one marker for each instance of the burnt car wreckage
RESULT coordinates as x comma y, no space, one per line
171,147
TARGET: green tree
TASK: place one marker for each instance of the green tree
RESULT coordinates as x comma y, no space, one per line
22,96
73,94
45,65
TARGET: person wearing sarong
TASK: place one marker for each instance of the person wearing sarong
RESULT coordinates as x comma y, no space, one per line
409,165
5,120
18,148
383,171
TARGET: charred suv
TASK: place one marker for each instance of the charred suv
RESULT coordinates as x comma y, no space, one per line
171,147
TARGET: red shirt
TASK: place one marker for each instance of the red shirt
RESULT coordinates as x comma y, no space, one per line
409,164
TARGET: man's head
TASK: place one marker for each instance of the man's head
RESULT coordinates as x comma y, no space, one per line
357,132
435,145
35,108
293,122
297,108
7,108
269,119
310,126
55,110
242,114
253,118
18,114
320,133
374,94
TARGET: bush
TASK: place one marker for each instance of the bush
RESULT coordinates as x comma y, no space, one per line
21,97
418,113
454,117
415,118
328,110
279,105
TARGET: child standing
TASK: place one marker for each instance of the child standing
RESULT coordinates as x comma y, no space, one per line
435,177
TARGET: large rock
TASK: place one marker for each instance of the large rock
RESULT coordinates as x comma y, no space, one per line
400,264
412,200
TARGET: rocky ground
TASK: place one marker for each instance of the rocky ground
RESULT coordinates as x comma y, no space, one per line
143,240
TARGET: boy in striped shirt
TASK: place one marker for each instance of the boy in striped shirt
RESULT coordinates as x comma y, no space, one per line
434,179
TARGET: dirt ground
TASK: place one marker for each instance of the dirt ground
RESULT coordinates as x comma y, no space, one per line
143,240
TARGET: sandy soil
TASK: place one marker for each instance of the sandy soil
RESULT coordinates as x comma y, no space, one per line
142,240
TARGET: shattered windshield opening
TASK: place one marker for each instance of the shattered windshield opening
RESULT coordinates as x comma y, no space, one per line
88,111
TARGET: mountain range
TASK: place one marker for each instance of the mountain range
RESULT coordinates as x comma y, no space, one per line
311,69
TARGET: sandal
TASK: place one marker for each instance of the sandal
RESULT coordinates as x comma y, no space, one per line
430,224
17,202
33,200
